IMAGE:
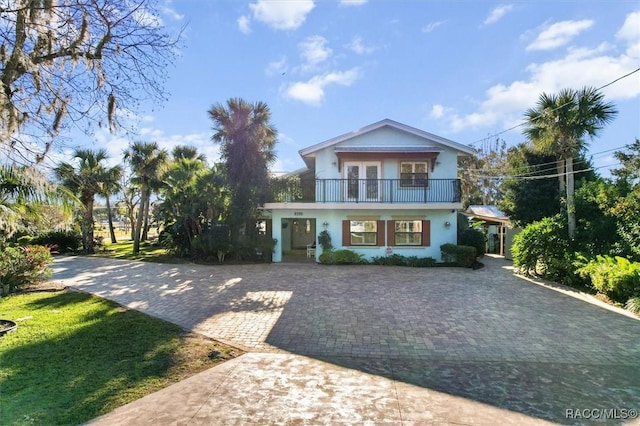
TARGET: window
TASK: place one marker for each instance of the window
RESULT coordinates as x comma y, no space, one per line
408,232
414,173
364,232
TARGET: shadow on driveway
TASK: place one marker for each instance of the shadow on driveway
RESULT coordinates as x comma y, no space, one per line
484,335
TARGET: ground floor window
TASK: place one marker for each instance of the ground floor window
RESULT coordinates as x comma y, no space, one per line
363,233
408,232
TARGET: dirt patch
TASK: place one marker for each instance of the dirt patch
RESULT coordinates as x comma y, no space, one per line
198,353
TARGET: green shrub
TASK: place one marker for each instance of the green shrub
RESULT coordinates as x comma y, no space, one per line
20,266
59,241
341,257
543,248
391,260
421,262
399,260
616,277
472,237
214,242
464,256
633,305
25,240
324,240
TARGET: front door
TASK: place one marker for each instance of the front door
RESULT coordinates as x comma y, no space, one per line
362,181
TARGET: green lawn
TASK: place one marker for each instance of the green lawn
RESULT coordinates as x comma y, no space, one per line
149,252
75,356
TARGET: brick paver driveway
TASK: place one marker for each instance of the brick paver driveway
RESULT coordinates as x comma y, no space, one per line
486,334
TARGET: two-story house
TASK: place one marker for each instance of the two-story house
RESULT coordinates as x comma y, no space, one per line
385,188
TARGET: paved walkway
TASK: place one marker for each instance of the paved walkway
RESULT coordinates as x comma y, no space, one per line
376,344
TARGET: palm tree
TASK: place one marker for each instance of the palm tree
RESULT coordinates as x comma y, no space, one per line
110,186
247,140
24,195
559,123
85,179
147,161
188,153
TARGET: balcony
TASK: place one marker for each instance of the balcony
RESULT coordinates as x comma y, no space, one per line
398,191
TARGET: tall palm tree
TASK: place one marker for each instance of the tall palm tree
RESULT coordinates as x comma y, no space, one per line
147,161
85,179
559,123
110,186
247,140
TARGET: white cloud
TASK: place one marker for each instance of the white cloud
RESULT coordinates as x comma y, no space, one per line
437,111
559,34
431,26
244,24
312,92
353,2
504,104
278,67
282,14
497,14
167,9
630,33
357,45
314,51
144,17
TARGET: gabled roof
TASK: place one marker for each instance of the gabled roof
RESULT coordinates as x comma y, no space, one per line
462,149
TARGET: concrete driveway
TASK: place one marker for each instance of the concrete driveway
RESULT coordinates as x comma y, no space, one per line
367,344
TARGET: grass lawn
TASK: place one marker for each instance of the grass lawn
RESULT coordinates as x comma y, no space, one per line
150,251
75,356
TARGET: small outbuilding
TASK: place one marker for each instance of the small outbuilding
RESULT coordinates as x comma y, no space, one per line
496,227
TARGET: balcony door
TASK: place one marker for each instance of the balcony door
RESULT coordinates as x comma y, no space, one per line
362,182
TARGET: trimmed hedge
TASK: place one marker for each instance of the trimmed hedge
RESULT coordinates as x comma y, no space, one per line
399,260
59,241
464,256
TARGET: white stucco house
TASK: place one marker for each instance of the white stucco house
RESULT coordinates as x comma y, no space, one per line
385,188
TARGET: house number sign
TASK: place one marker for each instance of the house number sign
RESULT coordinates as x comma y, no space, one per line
297,213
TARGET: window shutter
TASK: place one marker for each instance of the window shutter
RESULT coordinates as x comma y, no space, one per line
346,233
391,232
426,233
269,228
380,236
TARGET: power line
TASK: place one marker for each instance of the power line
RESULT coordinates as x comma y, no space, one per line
553,164
546,176
555,109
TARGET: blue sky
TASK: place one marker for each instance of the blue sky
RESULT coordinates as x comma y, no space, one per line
461,69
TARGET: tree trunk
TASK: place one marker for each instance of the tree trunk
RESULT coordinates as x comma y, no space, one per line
145,227
139,220
571,209
561,177
87,225
112,232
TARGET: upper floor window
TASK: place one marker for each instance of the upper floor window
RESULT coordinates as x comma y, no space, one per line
414,173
